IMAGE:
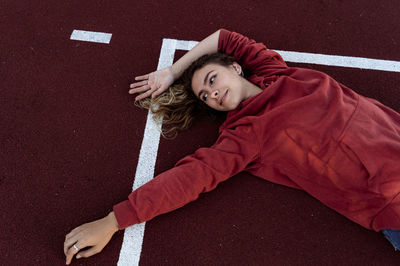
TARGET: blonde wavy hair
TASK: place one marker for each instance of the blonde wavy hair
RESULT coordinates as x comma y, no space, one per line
177,107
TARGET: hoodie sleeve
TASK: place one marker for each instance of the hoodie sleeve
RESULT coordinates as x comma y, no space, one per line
191,176
251,55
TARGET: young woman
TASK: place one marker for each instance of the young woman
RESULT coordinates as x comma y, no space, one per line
291,126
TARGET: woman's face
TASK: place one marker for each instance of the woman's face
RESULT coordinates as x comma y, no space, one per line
220,87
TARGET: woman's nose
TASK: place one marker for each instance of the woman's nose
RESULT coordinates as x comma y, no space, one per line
215,94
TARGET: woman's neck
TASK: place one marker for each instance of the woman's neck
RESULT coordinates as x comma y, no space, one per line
251,89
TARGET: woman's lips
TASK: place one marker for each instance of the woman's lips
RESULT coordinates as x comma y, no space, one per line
223,98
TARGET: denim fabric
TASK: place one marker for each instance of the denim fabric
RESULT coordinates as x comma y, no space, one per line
393,236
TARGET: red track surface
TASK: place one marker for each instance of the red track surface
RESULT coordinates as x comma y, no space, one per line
70,134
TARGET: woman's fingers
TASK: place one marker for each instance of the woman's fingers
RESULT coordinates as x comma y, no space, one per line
153,91
71,252
140,89
159,90
143,95
145,91
70,240
156,93
142,77
139,84
87,253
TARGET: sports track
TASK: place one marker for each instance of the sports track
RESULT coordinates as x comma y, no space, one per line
70,135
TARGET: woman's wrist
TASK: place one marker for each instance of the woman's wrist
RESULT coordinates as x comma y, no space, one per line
113,221
176,71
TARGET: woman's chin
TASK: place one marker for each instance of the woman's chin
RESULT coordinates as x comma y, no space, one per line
226,106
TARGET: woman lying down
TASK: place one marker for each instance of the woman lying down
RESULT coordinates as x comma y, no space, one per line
291,126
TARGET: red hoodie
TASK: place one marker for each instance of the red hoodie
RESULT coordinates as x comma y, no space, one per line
305,131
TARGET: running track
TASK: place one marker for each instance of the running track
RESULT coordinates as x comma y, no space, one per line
71,136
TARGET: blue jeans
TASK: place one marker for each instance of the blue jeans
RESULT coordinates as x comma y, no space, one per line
393,236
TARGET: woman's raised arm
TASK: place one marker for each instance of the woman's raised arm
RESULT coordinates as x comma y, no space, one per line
158,81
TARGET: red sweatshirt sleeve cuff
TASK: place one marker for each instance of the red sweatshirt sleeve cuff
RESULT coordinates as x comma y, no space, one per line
125,214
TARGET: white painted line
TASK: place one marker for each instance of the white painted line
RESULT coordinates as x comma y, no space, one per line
341,61
185,45
133,235
323,59
91,36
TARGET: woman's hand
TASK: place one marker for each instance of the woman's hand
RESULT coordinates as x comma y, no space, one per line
153,83
159,81
95,235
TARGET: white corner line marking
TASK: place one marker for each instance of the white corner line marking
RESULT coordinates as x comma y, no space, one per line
91,36
133,235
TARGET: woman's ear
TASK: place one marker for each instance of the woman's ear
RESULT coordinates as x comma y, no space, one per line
237,68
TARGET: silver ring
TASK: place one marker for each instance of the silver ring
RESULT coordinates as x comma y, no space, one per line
75,247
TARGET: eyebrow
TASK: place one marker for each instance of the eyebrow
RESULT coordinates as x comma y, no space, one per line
206,77
204,83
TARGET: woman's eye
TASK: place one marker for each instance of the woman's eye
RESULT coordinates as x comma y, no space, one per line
212,79
204,97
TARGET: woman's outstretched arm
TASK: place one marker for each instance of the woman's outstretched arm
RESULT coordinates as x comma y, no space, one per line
157,82
194,174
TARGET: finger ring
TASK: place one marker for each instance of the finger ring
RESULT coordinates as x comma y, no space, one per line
75,247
